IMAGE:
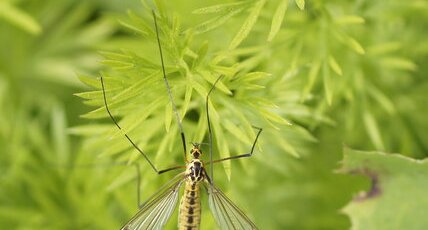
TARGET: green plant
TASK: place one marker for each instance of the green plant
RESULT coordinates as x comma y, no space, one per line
339,72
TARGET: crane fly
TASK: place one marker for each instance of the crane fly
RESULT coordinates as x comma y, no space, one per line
156,211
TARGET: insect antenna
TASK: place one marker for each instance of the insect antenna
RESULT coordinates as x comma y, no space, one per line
210,134
174,107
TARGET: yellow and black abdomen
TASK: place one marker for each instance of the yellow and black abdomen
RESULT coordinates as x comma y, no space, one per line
189,217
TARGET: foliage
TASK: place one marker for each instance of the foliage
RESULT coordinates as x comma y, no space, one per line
379,207
314,74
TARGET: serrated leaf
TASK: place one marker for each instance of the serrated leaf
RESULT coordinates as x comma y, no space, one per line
248,25
334,65
300,4
397,196
277,19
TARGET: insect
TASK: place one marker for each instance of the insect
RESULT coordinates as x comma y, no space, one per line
155,212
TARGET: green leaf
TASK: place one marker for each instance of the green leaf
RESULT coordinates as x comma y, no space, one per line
384,48
59,135
313,73
355,45
398,63
236,131
137,24
254,76
200,130
373,130
300,4
274,117
133,28
216,22
220,8
286,146
168,116
277,20
212,79
90,81
187,98
382,99
222,145
248,25
89,130
397,196
19,18
349,19
327,83
334,65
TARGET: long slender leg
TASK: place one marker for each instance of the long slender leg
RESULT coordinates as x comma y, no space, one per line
210,130
242,155
118,126
174,107
130,140
172,168
183,139
137,169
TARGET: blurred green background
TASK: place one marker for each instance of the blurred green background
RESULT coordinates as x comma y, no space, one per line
340,72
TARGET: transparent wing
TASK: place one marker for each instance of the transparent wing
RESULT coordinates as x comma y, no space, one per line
225,212
156,211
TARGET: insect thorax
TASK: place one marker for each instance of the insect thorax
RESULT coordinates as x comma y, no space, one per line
195,171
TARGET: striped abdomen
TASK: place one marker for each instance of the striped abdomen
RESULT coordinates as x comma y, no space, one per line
189,216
